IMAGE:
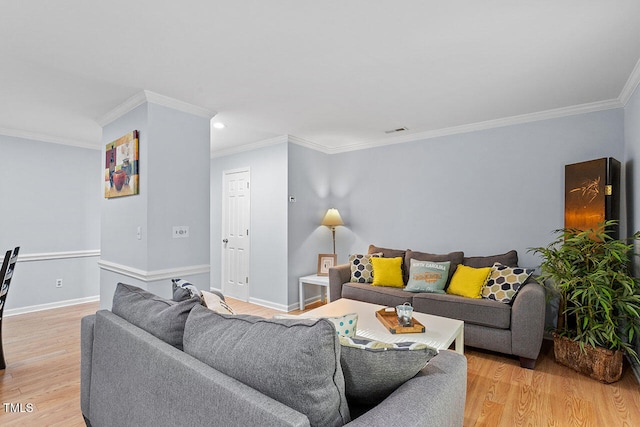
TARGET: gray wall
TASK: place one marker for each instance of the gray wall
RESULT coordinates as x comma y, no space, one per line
268,232
632,157
632,179
50,207
174,182
309,183
483,192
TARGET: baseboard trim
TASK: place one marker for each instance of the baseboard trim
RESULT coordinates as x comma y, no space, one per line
269,304
275,306
50,305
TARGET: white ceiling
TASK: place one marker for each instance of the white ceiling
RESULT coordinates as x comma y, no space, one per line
333,73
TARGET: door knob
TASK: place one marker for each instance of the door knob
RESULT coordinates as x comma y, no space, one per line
225,240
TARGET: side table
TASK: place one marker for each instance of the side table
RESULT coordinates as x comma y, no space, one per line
313,279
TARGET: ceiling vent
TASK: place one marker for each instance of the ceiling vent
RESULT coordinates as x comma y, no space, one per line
402,129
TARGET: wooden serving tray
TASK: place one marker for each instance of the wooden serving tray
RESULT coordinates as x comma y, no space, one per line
390,321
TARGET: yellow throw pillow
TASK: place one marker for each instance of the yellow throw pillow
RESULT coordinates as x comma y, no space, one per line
387,272
468,281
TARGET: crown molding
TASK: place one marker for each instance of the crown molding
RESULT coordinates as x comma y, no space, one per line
631,85
122,109
250,147
485,125
34,136
269,142
309,144
165,101
153,98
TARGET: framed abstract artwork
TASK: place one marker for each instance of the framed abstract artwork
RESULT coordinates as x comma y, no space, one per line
121,166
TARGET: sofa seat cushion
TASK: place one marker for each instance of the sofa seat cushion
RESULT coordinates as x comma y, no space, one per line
381,295
482,312
296,362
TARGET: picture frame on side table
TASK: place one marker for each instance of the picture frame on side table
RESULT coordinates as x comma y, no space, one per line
325,262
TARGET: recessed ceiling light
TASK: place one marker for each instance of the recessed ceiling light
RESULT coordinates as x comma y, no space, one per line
219,125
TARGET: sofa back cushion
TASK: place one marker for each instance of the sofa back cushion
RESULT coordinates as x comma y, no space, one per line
163,318
296,362
510,259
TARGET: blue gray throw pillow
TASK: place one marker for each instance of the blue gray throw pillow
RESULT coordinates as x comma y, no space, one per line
374,369
428,276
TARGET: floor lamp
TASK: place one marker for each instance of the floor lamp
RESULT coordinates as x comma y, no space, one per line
332,219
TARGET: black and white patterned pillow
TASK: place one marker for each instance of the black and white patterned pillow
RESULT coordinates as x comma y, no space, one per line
361,268
183,290
504,282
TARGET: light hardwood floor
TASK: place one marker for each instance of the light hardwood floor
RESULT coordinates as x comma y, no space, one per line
43,369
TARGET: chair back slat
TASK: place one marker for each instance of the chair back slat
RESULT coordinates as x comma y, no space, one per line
6,274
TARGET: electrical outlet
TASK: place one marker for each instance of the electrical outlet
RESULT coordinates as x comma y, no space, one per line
180,231
58,283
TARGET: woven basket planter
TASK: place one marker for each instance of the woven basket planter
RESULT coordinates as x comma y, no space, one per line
599,363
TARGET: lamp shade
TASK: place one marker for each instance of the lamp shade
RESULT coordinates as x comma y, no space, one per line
332,218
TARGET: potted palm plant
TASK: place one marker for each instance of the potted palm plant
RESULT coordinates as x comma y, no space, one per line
599,310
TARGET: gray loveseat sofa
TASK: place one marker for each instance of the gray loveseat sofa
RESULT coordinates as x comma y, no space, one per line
516,328
160,373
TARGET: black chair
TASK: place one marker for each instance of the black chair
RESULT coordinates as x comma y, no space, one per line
8,266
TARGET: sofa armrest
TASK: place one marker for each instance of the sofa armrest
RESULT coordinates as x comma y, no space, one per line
86,350
338,275
527,320
434,397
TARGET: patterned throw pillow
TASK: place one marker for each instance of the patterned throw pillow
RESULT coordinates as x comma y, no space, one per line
183,290
215,301
428,276
393,364
361,268
346,326
504,282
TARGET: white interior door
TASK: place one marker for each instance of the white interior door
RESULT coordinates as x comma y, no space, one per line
235,233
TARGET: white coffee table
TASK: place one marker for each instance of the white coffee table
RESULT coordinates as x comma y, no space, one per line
439,332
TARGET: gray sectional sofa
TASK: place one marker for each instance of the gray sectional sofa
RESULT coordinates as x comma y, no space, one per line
516,328
150,362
